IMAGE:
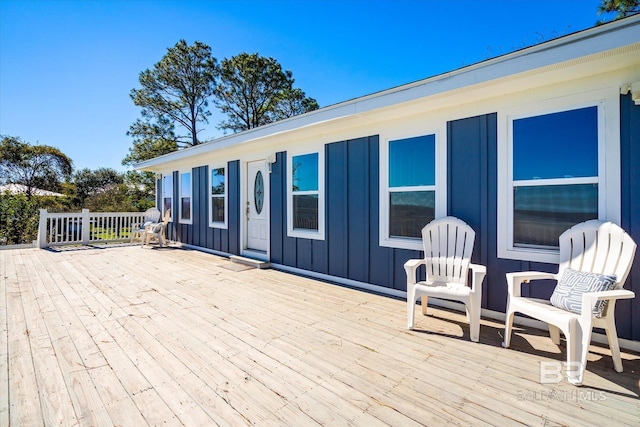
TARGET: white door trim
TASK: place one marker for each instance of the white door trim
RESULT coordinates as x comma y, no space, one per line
245,184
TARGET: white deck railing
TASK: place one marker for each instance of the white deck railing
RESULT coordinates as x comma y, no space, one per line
83,228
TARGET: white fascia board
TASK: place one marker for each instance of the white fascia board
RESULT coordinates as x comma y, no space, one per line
571,47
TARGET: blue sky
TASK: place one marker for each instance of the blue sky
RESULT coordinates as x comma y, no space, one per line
67,66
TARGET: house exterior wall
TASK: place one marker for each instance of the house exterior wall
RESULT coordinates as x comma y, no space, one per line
628,311
471,128
350,249
199,233
472,197
158,193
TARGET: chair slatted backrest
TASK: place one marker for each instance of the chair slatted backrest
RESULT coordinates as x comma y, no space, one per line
597,247
151,214
448,244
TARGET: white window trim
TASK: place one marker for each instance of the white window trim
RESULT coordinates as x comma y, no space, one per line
300,233
608,180
440,186
217,224
180,195
162,186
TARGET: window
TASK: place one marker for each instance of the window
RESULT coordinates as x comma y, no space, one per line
218,194
167,194
555,175
408,190
305,209
185,198
558,166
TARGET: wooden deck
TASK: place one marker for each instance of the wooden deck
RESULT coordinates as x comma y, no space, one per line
129,337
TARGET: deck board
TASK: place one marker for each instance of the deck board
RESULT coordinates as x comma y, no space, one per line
23,386
132,336
4,342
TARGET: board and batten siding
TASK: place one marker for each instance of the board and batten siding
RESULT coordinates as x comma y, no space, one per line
472,197
199,233
628,311
351,247
158,193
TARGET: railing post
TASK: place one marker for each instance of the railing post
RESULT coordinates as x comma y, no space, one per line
42,229
85,226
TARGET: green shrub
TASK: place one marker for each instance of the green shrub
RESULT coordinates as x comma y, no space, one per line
19,219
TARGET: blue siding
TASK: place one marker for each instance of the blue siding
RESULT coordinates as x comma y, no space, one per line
358,195
336,201
468,177
288,244
381,263
472,196
277,226
351,247
199,206
629,310
302,253
230,238
159,193
320,256
199,233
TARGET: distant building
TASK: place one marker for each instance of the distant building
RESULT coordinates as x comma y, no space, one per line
22,189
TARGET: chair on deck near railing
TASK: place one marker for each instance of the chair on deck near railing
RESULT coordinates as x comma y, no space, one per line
157,230
448,244
150,216
595,260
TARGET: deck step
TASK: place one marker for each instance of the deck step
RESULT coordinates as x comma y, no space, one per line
256,263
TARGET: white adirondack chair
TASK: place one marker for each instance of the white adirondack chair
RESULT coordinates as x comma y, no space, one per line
593,247
151,215
157,230
448,244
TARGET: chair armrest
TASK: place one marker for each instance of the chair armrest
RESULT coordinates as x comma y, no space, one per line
478,272
589,300
139,225
410,268
515,280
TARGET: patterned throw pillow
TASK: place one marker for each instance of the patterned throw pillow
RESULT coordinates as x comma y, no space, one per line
568,292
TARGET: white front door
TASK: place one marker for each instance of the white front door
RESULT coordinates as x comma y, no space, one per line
257,206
